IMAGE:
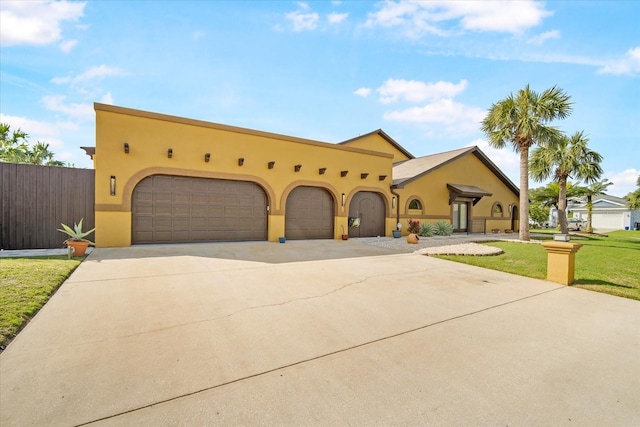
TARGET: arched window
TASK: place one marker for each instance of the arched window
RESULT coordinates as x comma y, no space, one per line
497,210
415,204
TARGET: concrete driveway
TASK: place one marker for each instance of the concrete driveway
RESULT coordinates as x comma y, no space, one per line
318,333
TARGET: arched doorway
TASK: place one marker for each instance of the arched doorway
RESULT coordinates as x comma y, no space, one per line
515,224
367,209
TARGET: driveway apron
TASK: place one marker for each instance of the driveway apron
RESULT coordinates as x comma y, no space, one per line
318,333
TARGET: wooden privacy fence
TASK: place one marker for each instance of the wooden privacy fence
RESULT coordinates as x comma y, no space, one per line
34,200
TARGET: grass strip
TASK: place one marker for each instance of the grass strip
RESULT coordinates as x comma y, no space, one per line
26,284
604,264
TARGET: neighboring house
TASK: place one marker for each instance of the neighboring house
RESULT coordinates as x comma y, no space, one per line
162,179
609,213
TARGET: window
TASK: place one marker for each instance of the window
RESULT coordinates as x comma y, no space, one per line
497,210
415,204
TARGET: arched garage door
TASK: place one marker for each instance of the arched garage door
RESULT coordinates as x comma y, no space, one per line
309,214
168,209
369,208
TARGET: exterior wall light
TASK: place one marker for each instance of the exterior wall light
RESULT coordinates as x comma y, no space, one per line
207,157
344,199
297,168
271,164
112,185
393,203
126,148
241,161
170,153
343,173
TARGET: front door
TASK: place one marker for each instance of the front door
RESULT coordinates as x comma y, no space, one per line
366,215
460,216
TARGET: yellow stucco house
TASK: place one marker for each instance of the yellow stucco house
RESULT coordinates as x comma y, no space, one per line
163,179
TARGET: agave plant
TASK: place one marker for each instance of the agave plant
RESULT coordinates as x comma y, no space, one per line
76,234
427,230
443,228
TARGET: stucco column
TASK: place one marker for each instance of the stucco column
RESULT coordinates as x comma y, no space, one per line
561,261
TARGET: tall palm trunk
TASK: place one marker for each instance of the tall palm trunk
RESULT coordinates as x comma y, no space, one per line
589,213
562,205
524,193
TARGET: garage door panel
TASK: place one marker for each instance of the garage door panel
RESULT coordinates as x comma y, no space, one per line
309,214
145,209
182,209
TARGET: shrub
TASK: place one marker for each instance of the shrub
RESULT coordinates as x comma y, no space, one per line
427,230
443,228
414,226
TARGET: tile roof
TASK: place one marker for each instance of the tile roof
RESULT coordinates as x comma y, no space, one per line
412,169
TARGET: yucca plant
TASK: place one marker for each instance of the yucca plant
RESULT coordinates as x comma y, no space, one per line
76,234
427,230
443,228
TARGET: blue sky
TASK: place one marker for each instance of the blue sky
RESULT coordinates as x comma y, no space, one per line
424,72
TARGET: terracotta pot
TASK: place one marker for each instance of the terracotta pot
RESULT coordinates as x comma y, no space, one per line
79,248
345,237
412,238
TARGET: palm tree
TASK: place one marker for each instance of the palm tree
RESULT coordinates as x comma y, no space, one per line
522,121
594,189
562,158
40,155
13,144
549,195
634,197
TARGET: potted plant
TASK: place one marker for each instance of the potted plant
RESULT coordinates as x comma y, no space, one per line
397,232
76,238
344,236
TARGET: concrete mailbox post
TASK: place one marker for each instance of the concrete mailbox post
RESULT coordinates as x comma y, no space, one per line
561,261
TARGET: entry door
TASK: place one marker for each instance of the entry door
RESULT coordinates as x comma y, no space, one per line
367,210
460,216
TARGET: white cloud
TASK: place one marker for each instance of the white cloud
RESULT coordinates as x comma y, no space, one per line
75,110
363,92
68,45
417,18
93,73
542,38
506,159
623,182
416,91
39,131
31,127
336,18
457,118
107,98
35,22
303,21
629,65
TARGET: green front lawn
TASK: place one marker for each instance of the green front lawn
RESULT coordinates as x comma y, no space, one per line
604,264
25,286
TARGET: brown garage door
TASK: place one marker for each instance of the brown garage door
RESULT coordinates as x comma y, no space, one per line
309,214
369,208
169,209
